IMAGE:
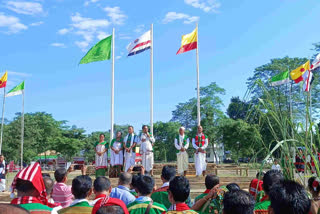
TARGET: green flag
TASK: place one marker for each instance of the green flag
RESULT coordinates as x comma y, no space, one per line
101,51
16,90
280,79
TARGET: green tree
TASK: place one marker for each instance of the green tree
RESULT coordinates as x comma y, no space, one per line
238,109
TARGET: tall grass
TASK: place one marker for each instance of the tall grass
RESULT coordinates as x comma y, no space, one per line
287,133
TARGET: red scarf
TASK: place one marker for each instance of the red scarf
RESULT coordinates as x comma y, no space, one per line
33,174
203,138
179,207
107,201
207,191
26,200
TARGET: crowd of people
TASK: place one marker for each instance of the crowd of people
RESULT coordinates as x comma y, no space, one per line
136,193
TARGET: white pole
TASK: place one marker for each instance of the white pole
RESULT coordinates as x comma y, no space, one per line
112,88
198,77
151,80
22,128
2,120
310,114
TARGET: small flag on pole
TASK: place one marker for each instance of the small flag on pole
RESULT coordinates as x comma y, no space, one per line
189,42
3,80
297,73
16,90
316,62
280,79
139,45
101,51
307,77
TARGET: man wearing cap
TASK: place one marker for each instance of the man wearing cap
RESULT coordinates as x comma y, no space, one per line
181,142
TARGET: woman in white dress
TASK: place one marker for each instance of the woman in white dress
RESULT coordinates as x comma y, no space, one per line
116,152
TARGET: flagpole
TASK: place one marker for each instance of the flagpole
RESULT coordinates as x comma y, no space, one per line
198,77
310,97
151,80
112,88
2,120
291,117
22,128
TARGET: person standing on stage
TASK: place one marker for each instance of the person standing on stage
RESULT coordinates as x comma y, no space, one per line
116,152
146,149
101,149
129,144
200,143
181,142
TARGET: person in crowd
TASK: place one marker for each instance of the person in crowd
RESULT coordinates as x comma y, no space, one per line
232,187
2,174
289,197
110,205
238,202
200,143
211,181
129,144
276,165
146,149
300,161
316,158
161,195
49,183
116,152
31,190
133,185
271,178
122,192
181,142
102,189
61,192
256,184
81,189
179,190
144,187
101,149
314,189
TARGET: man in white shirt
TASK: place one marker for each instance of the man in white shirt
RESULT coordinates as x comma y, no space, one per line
200,143
2,174
146,149
276,166
129,144
181,142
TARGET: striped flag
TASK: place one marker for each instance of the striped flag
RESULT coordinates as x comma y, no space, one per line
307,77
316,62
280,79
189,42
141,44
297,73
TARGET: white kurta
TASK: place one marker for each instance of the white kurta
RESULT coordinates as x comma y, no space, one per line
147,151
2,176
199,157
182,157
101,161
130,157
116,159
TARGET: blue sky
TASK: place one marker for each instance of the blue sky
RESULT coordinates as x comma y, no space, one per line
42,42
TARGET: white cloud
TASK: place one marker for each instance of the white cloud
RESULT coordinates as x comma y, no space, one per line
102,35
172,16
118,57
205,5
12,23
116,15
20,74
124,36
24,7
82,44
88,23
56,44
63,31
36,23
86,3
139,29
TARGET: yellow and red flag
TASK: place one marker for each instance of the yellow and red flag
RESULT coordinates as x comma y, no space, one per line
189,42
297,73
3,80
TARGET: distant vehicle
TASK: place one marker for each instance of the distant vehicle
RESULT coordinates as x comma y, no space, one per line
228,160
243,160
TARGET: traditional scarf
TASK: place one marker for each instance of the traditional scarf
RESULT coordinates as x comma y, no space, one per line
203,138
179,207
107,201
33,174
131,140
315,184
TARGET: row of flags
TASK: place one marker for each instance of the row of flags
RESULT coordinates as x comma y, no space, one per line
15,91
302,73
102,50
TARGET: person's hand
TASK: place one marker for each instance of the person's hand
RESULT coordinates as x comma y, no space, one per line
148,135
127,150
116,151
143,140
183,149
130,169
99,153
71,168
143,170
213,192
